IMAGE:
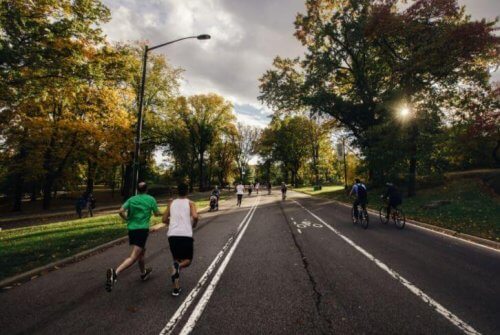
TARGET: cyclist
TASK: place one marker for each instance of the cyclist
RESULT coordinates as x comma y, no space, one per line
283,190
393,198
359,189
216,193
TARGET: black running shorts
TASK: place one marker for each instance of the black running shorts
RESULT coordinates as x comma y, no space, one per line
138,237
181,247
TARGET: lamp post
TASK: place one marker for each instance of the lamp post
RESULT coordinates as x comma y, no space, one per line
138,133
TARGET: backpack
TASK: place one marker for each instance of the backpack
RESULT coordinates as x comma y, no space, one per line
361,190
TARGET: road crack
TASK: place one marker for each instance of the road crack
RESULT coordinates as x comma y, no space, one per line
318,296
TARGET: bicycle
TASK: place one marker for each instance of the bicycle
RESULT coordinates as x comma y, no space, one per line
397,215
362,218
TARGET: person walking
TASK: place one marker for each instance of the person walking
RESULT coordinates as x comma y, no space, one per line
257,186
240,189
250,189
80,205
136,212
180,217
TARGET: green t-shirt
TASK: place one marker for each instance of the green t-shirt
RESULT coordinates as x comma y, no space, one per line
140,207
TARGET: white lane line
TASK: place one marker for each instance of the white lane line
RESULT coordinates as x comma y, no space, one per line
462,325
200,307
460,239
174,320
299,231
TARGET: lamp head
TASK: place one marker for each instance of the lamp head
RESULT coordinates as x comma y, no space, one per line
203,37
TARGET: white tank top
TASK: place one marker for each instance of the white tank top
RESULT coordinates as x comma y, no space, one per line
180,218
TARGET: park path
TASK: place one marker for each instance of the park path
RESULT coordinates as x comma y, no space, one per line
275,267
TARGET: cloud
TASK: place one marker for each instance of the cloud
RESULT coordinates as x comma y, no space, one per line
246,36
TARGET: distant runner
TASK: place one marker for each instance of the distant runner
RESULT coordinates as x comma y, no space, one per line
178,217
136,211
283,191
257,186
240,189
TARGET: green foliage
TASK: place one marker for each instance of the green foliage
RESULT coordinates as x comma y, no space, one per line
367,59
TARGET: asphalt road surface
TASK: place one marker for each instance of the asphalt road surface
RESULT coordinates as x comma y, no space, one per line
297,266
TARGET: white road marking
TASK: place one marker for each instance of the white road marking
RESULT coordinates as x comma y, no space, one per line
461,239
200,307
462,325
299,231
174,320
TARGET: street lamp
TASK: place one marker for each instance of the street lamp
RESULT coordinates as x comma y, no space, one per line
138,134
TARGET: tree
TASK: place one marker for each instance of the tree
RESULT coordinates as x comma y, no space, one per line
245,141
366,58
203,118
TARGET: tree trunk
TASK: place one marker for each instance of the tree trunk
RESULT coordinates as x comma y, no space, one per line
91,169
34,191
48,184
412,176
127,182
413,162
495,152
18,192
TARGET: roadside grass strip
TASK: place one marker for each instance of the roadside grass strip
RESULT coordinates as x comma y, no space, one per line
455,320
24,249
198,310
472,208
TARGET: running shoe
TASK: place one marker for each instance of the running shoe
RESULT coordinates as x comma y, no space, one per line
146,274
110,279
176,292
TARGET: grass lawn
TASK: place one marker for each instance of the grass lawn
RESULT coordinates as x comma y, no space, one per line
24,249
473,209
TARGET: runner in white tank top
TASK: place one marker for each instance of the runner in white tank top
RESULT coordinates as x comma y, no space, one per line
178,217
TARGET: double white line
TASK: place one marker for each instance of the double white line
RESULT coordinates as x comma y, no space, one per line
200,307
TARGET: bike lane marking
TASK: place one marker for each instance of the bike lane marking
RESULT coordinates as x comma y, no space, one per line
202,303
455,320
179,313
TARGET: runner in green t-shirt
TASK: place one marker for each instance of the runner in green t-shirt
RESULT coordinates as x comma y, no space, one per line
136,211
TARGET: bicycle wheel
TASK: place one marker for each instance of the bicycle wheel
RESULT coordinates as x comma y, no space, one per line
382,213
399,219
364,219
354,219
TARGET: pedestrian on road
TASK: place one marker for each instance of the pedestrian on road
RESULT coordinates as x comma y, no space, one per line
136,212
257,186
80,205
240,189
180,217
250,189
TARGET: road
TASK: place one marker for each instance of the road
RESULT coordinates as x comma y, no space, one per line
275,267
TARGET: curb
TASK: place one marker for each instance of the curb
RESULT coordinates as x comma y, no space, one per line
32,274
444,231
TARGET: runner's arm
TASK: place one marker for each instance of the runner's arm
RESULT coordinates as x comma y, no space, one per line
166,216
123,213
194,213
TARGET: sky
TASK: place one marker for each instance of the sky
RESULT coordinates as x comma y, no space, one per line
246,36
